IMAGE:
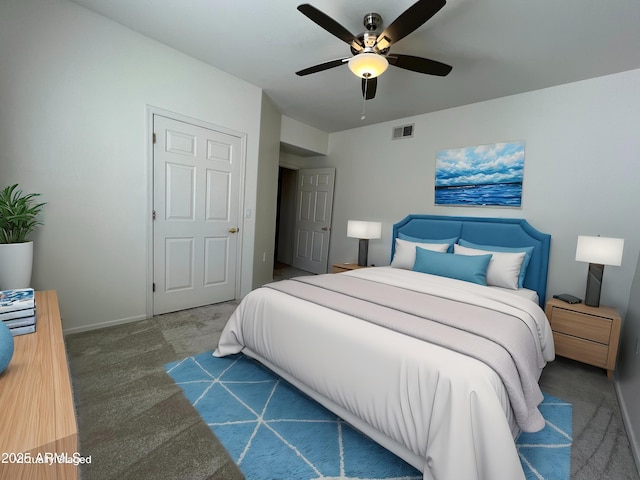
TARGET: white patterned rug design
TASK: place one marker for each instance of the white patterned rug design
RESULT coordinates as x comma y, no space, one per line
273,431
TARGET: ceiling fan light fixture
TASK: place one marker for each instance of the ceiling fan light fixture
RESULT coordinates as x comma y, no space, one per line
368,65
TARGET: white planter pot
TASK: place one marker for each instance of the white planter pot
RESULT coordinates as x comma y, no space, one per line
16,261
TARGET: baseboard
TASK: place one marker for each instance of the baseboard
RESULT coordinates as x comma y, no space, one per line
626,420
108,323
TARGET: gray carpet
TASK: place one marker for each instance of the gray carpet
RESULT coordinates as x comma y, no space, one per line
600,447
133,420
136,424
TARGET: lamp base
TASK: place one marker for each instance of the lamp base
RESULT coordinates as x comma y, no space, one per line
363,252
594,284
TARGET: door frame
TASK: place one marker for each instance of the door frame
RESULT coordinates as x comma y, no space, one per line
151,111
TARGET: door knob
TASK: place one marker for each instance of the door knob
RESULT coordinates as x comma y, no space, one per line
234,230
326,229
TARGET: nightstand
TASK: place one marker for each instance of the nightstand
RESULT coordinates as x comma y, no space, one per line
345,267
587,334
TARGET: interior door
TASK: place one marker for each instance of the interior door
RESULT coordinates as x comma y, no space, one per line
314,204
196,199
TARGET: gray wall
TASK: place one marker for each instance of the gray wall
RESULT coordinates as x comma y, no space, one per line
267,193
628,373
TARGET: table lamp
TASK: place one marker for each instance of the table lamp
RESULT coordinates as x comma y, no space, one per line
598,251
364,231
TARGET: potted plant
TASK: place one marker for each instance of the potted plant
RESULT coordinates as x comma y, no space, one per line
18,218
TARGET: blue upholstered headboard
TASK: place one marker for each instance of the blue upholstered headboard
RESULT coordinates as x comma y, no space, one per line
504,232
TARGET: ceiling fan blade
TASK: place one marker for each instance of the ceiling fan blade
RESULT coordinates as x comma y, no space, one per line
420,65
412,18
369,87
330,25
322,66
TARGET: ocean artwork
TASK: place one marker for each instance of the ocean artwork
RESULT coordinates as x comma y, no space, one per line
485,175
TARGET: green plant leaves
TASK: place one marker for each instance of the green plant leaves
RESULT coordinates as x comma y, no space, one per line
18,214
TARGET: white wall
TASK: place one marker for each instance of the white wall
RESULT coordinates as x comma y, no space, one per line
267,193
302,136
75,88
582,152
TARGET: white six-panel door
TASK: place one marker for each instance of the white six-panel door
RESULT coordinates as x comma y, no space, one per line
196,215
314,206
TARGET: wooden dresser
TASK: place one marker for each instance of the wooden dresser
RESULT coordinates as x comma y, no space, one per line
587,334
37,412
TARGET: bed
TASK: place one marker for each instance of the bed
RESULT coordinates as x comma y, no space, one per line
441,371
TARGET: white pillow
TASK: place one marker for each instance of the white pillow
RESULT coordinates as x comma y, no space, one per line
405,252
504,267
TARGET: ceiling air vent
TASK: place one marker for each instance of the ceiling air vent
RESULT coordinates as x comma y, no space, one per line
404,131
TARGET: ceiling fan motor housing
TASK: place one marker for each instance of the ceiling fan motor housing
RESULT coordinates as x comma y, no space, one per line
372,21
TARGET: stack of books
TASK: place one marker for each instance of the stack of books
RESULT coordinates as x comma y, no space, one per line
18,310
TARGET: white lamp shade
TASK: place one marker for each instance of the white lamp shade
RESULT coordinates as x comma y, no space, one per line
368,65
359,229
601,250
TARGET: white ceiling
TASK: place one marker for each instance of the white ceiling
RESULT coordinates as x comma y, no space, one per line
496,48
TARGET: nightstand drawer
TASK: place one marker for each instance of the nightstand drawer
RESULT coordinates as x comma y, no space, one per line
596,329
581,350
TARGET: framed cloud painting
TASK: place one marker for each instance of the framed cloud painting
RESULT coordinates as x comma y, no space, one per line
485,175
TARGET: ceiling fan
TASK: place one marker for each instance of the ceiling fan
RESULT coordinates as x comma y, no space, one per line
370,49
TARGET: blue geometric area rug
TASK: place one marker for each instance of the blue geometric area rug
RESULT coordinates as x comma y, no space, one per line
274,431
547,454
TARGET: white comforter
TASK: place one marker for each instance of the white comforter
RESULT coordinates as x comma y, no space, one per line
445,413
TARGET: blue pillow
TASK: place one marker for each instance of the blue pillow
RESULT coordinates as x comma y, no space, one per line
525,263
470,268
450,241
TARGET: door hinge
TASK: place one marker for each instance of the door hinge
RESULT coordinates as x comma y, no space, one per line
153,287
153,215
154,137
